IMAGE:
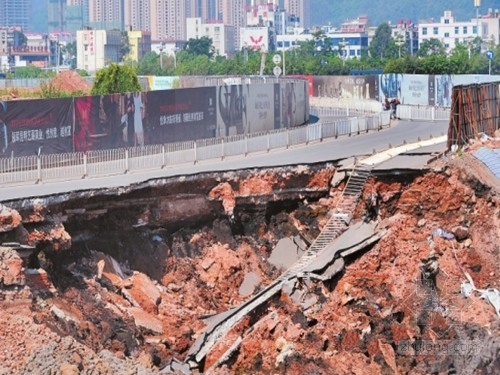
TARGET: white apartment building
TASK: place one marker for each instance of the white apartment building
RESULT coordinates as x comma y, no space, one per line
222,35
449,31
95,49
489,26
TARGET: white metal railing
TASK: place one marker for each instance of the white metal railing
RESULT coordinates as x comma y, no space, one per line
71,166
425,113
350,106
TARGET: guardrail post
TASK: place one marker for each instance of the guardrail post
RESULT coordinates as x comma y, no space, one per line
246,144
433,113
222,150
268,142
287,138
38,169
126,160
321,132
85,171
195,152
163,157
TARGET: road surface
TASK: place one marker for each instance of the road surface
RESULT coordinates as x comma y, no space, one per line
328,150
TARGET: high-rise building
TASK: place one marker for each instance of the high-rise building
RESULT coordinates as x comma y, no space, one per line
106,14
138,15
233,14
57,15
168,19
77,12
15,13
301,9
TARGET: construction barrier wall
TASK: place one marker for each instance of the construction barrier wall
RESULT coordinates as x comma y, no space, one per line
48,126
475,109
410,89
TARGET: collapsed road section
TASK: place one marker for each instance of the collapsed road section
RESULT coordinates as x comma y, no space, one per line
128,280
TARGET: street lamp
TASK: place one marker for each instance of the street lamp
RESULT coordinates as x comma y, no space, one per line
399,42
342,45
161,48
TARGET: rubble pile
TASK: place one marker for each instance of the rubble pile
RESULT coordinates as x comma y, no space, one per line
117,285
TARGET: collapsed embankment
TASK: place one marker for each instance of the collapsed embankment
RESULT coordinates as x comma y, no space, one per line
121,280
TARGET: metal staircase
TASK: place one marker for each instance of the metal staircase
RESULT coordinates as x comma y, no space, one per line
339,220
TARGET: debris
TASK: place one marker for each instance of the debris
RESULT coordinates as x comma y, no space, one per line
461,233
429,269
466,289
493,297
443,234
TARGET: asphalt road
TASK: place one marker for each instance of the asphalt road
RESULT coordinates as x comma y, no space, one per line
328,150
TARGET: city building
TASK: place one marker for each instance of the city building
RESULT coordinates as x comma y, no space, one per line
15,13
95,49
449,31
490,26
222,35
57,15
350,41
233,15
77,15
137,15
405,33
106,14
168,19
301,9
140,44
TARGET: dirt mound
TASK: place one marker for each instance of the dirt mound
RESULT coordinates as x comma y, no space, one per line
70,81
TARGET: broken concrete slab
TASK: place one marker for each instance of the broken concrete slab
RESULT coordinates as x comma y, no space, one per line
250,282
287,252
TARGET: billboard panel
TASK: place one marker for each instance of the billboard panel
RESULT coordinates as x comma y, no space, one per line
180,115
415,89
348,87
260,107
31,126
255,38
107,121
231,105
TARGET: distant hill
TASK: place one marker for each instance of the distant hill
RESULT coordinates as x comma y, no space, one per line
337,11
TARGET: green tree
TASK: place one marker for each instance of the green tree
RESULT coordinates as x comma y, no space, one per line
149,64
430,47
200,46
382,44
116,79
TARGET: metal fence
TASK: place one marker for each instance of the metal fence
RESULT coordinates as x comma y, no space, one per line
72,166
425,113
